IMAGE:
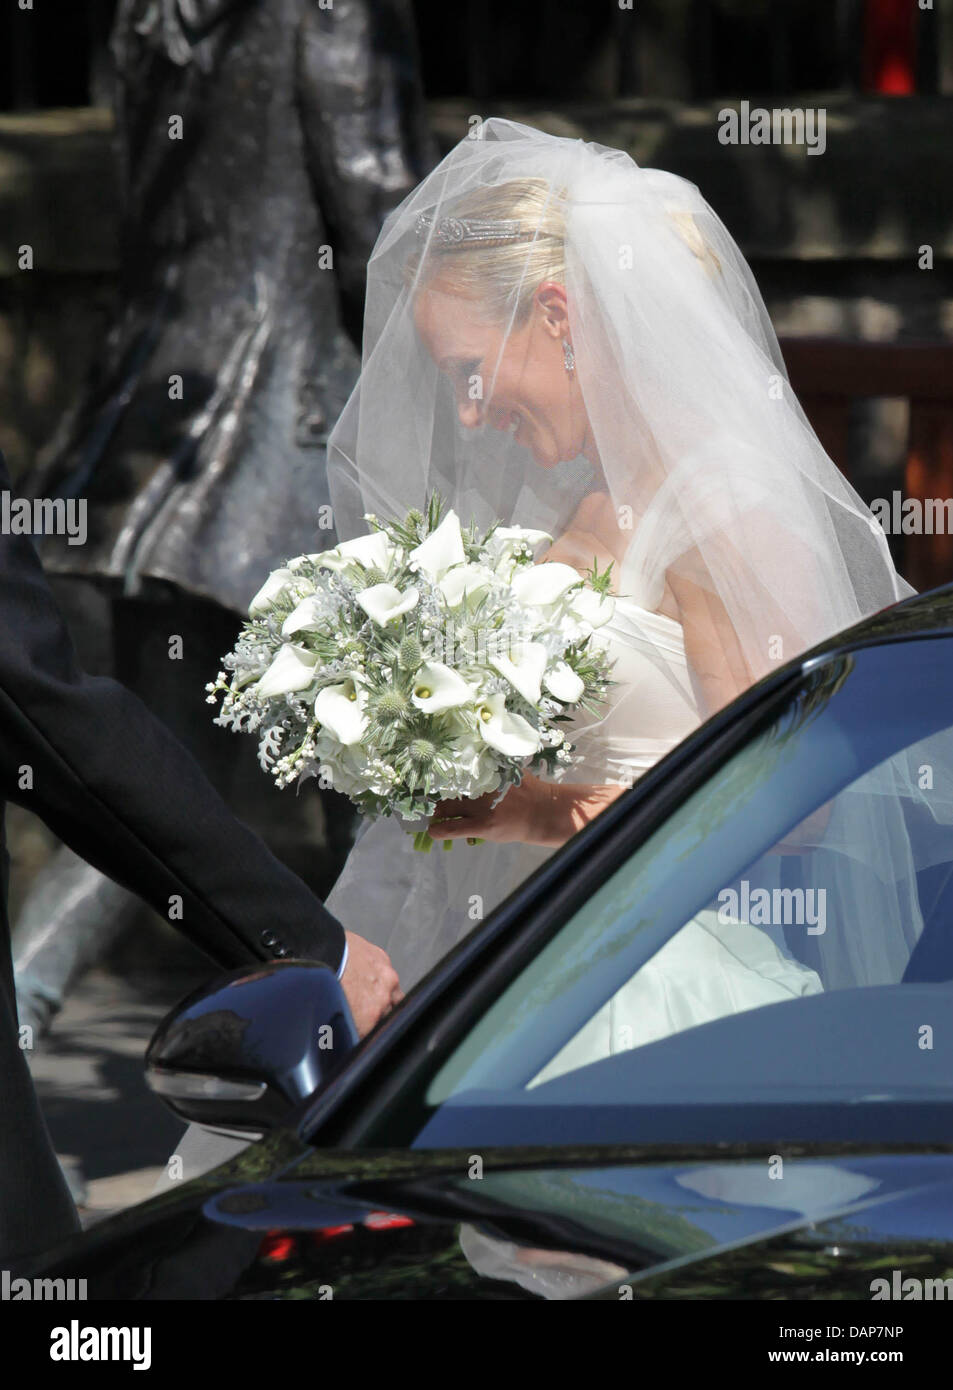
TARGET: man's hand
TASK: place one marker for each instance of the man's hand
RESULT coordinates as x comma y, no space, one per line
369,982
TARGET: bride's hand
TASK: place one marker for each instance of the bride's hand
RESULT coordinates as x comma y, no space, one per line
534,813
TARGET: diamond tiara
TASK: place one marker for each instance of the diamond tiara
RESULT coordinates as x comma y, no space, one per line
452,233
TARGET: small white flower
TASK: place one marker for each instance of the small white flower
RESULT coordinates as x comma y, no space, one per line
292,669
340,709
442,549
523,668
563,682
540,585
384,602
272,589
507,733
438,688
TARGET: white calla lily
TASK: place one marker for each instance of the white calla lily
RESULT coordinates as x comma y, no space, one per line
475,766
540,585
383,602
437,687
563,682
333,560
505,541
273,587
507,733
592,608
465,582
306,616
340,710
442,549
373,551
523,668
292,669
519,535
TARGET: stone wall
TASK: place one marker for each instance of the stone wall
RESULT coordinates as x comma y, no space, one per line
833,239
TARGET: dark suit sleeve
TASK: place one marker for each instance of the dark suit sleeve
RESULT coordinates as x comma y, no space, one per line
115,785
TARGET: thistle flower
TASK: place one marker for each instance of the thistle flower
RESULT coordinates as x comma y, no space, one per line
410,654
389,707
422,752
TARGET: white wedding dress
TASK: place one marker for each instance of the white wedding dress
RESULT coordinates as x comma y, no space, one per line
419,906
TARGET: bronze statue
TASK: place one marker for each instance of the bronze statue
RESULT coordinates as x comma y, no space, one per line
261,143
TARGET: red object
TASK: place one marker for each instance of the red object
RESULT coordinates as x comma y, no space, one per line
276,1247
889,60
330,1233
385,1221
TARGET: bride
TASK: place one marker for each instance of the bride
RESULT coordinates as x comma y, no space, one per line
558,339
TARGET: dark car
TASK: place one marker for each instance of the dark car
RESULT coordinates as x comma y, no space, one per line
800,1149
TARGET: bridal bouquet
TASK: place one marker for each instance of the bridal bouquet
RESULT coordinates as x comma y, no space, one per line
420,662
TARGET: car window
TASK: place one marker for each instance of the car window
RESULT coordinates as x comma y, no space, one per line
815,866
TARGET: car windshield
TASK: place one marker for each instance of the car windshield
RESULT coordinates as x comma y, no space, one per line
786,936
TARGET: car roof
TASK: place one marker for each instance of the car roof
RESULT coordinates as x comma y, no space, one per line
921,615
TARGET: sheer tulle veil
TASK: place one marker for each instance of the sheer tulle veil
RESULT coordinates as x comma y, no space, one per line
713,471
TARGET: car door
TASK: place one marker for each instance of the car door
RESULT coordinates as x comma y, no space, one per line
858,1059
468,1151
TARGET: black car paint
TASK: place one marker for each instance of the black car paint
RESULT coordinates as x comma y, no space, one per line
373,1225
289,1219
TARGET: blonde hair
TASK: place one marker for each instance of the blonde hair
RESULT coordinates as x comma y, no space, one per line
504,277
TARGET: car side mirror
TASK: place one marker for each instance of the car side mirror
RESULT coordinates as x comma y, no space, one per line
240,1054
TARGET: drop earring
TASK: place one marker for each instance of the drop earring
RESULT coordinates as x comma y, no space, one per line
569,356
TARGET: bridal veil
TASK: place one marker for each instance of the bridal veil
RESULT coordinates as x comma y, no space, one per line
712,469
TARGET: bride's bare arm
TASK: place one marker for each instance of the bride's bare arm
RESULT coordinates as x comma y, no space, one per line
766,567
534,813
592,534
716,661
